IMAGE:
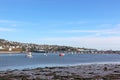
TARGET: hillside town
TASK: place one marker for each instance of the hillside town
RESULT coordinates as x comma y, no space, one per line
11,46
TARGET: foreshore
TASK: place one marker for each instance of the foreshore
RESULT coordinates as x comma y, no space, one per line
13,52
81,72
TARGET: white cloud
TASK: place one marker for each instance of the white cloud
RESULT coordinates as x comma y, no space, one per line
114,30
4,21
64,23
75,22
100,39
93,31
88,42
10,23
6,29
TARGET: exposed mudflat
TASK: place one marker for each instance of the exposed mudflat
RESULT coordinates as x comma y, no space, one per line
82,72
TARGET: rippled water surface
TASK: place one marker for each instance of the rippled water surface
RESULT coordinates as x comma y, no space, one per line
20,61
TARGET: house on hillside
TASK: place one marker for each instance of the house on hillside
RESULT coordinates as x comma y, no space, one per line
1,47
10,49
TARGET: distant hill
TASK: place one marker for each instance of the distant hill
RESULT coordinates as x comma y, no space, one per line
6,45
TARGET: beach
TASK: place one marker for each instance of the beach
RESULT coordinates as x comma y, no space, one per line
80,72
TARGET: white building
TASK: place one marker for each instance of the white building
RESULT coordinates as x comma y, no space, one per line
10,49
1,47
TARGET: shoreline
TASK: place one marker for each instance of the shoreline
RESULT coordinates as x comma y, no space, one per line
12,52
68,65
87,72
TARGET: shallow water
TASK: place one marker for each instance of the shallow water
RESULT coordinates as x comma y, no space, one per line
20,61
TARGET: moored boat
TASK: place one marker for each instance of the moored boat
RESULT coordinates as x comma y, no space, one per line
29,54
61,54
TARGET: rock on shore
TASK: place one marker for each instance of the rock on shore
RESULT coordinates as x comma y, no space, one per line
82,72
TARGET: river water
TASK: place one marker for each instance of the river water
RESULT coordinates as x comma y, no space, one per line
20,61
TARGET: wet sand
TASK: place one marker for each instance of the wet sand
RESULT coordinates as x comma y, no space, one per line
81,72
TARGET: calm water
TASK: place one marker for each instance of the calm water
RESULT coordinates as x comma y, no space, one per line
20,61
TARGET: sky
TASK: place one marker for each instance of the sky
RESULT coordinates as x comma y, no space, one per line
77,23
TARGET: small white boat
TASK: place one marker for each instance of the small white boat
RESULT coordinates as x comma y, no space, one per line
45,54
29,55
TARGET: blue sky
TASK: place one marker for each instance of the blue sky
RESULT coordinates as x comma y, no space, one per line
79,23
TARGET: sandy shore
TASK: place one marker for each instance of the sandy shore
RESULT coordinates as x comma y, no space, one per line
82,72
